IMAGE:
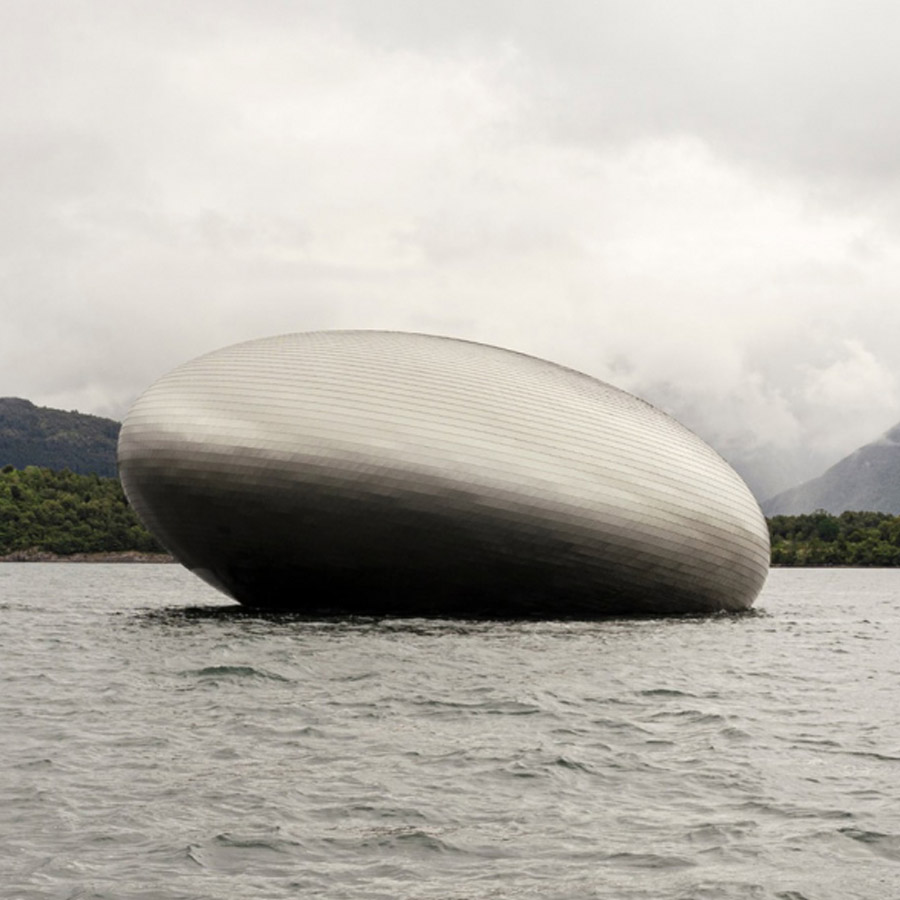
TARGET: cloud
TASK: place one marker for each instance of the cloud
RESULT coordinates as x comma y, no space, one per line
795,85
695,201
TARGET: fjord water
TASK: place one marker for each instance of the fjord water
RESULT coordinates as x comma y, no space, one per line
158,742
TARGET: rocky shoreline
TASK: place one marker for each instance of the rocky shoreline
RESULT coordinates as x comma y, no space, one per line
125,556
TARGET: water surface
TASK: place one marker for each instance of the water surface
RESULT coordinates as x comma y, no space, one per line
158,742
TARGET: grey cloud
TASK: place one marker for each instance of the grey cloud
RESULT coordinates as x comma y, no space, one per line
696,201
800,85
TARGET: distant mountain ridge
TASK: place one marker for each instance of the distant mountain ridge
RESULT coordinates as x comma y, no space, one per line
52,438
867,479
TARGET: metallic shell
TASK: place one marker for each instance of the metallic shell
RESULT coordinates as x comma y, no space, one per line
391,473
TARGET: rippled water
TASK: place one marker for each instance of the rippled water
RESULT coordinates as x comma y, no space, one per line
157,743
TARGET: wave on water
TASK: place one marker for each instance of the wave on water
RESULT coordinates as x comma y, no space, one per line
219,673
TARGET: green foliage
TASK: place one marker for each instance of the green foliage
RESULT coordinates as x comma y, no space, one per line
64,513
850,539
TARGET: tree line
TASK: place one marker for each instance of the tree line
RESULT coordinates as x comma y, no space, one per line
64,513
821,539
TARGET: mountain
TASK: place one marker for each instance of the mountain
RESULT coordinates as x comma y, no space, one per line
38,436
867,479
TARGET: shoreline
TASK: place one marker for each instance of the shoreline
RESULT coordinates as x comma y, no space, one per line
136,556
121,556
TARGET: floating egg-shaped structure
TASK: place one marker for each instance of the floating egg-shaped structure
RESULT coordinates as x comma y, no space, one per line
383,473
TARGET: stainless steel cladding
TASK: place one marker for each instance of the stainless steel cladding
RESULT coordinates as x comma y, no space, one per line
387,473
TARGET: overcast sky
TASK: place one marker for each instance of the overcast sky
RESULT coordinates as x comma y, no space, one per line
698,201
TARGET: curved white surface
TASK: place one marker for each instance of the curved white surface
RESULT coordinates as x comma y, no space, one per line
391,472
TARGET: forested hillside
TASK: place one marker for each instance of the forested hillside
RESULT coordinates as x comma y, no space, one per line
65,513
38,436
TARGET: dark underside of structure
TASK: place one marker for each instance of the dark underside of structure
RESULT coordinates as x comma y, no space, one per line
318,551
493,593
